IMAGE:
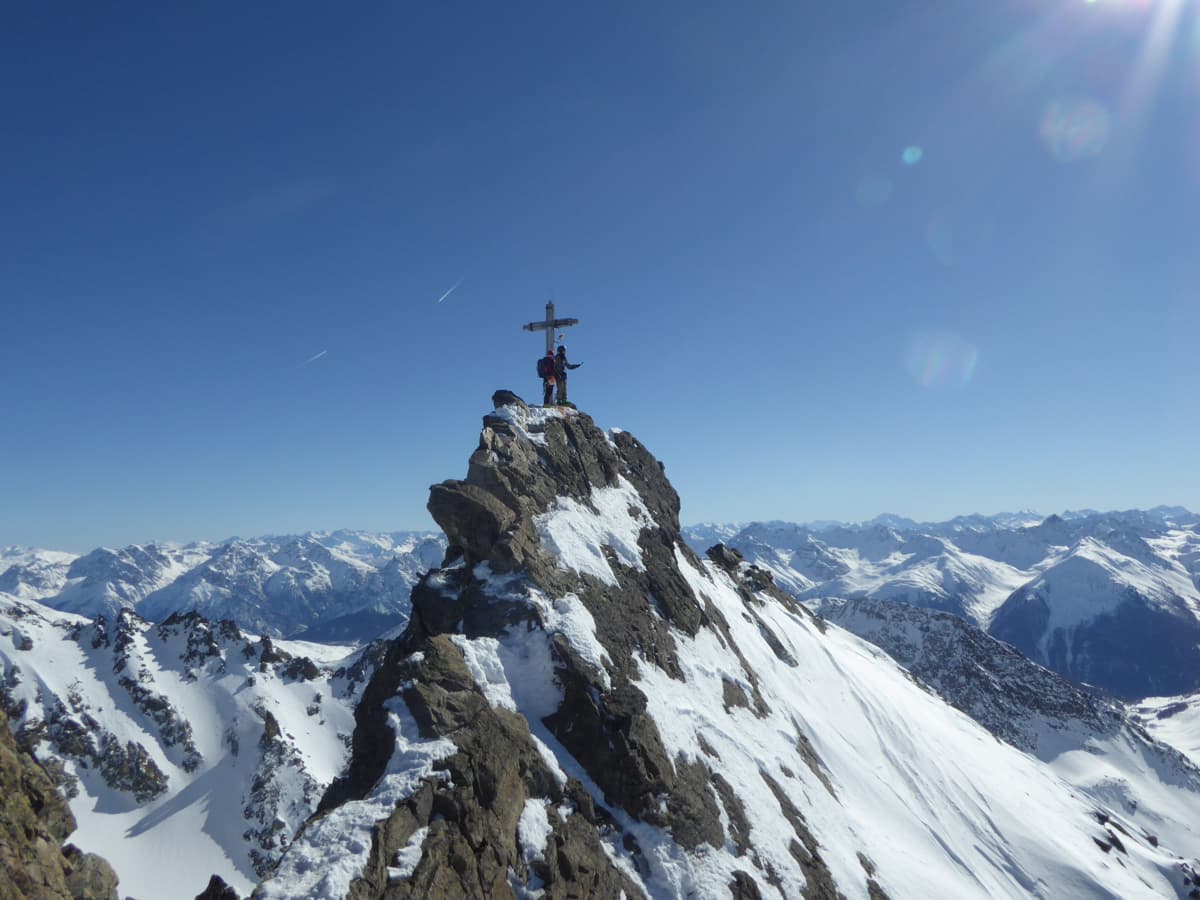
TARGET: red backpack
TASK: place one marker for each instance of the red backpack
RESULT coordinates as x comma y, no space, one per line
545,367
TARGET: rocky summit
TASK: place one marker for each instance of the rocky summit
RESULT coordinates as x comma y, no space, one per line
579,704
582,706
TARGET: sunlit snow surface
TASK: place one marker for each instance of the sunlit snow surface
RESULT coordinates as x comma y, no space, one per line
170,846
938,805
1096,579
1174,721
577,533
333,850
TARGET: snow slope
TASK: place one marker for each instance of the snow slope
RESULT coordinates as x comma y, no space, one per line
1092,742
1174,721
192,749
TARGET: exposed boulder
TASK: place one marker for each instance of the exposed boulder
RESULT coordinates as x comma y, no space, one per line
218,890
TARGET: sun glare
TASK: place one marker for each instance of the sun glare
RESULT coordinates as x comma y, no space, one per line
1075,127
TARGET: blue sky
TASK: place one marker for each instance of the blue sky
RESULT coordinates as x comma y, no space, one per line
829,260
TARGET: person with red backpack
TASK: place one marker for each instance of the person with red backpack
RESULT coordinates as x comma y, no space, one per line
560,373
545,370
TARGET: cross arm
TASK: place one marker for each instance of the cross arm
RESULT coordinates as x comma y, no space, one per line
557,323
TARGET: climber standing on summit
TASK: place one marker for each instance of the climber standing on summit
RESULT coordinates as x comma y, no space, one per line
545,369
560,373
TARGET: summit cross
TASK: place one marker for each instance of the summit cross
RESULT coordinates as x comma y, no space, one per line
549,326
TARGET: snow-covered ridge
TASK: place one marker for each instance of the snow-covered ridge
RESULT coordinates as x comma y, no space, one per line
338,586
1059,589
1134,759
664,726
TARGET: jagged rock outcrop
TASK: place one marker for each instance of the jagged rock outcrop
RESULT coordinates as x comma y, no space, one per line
472,813
580,706
534,477
491,518
34,823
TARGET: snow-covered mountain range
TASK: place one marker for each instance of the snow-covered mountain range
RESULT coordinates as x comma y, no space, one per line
1109,599
574,702
335,586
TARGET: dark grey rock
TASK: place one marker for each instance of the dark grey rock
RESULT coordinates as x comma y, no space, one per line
218,890
471,846
507,398
744,887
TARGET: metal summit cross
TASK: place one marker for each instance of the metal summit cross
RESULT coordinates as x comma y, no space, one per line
550,325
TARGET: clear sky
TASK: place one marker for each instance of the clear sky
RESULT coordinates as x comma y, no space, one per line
830,260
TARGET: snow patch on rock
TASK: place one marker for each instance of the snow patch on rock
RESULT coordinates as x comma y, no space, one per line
576,533
332,851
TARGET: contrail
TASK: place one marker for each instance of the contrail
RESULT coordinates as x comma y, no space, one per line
313,358
451,291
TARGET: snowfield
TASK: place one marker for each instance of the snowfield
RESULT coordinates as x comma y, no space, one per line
194,749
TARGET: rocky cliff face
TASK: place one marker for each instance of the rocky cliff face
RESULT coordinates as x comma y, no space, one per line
34,823
563,549
581,706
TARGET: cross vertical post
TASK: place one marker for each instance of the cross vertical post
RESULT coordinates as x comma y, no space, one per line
550,325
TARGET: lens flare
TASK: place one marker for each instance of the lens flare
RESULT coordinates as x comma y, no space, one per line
940,360
1074,128
912,155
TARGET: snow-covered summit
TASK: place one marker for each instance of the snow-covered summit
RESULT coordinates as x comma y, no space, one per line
581,704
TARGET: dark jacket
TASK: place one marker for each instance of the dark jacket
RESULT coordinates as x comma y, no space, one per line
561,365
